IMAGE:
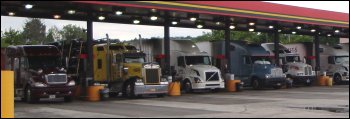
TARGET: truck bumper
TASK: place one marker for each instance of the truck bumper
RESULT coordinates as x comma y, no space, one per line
56,91
275,81
208,85
303,79
151,89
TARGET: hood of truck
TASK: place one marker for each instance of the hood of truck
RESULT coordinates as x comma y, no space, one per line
297,64
263,68
204,68
134,69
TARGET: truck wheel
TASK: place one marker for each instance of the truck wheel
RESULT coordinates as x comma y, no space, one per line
187,86
29,97
129,90
308,83
277,87
256,84
161,95
68,99
336,79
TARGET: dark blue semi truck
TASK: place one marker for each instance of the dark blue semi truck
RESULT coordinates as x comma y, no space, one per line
252,64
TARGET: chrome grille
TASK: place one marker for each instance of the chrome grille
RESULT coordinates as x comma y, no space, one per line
56,78
308,70
212,76
276,72
152,76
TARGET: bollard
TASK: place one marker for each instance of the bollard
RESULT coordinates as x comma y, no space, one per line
94,93
7,94
330,82
174,89
322,80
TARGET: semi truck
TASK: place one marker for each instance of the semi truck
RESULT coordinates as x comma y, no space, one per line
127,71
297,71
334,60
250,63
38,73
189,65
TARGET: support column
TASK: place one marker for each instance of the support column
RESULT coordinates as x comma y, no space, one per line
227,45
89,41
167,43
276,42
317,52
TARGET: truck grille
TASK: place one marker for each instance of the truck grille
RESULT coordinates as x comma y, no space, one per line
308,71
214,76
276,72
152,76
56,78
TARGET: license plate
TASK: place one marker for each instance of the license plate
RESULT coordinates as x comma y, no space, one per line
52,96
153,89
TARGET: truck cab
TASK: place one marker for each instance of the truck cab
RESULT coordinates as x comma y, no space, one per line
296,70
38,73
252,64
196,72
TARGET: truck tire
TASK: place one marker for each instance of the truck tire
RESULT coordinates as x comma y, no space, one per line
256,84
29,97
276,87
336,79
129,90
161,95
187,86
68,99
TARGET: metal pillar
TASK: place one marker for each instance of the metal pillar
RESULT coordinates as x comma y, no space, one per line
89,72
227,46
167,43
276,42
317,52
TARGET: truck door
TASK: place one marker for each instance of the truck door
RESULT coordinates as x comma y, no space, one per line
180,67
246,69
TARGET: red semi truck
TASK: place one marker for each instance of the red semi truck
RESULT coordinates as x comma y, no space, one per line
38,73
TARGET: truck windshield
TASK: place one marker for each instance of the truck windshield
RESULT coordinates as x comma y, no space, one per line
293,59
261,60
341,59
134,59
36,62
196,60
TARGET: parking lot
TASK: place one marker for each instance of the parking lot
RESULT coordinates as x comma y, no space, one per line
310,102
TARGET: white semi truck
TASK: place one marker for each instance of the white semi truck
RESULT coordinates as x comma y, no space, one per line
296,70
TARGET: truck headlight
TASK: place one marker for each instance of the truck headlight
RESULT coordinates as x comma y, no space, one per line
284,75
39,84
267,76
139,82
197,80
71,83
164,81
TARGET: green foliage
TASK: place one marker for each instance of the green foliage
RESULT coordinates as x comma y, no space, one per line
34,31
11,37
53,35
71,32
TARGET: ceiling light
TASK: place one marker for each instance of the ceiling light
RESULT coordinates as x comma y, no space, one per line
337,31
218,23
193,18
329,35
71,11
251,24
313,30
251,30
153,18
174,22
270,27
28,6
294,32
259,33
136,21
101,18
232,27
279,30
298,27
199,26
118,13
11,13
56,16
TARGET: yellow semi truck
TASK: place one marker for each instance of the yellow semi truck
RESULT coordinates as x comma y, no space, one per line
128,71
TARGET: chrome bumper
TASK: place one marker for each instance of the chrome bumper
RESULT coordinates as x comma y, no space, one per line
151,89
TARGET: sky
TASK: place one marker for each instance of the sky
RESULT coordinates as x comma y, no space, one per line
127,32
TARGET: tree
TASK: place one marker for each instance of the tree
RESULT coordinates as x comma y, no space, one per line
12,37
53,35
34,31
71,32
